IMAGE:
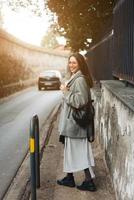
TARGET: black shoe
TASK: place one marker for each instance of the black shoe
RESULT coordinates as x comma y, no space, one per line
87,186
67,181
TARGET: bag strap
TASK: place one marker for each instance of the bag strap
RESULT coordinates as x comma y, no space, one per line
74,79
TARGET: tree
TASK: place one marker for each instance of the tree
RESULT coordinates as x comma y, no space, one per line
79,20
1,20
49,40
1,16
35,6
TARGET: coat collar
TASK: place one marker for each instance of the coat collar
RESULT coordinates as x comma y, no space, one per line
74,77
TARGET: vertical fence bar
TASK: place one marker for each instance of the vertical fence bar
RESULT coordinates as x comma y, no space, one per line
123,40
114,54
32,159
37,151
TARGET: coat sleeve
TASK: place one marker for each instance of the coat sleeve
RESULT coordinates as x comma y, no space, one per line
77,96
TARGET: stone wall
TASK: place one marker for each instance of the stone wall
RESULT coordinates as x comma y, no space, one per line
114,105
32,56
20,62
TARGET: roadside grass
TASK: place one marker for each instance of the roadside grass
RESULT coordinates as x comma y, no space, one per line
13,70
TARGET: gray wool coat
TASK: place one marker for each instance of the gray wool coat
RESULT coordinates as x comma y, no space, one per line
77,96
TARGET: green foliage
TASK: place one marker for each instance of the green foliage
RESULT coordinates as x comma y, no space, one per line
1,17
1,21
12,70
49,40
33,5
79,20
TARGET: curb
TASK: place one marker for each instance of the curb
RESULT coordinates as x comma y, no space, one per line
7,90
20,186
7,98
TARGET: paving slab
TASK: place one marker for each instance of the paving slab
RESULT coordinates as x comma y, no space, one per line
52,169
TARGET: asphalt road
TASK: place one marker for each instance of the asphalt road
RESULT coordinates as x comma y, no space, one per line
15,115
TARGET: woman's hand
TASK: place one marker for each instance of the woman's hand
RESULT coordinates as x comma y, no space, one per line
64,88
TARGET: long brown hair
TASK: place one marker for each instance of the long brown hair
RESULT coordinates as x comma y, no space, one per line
83,67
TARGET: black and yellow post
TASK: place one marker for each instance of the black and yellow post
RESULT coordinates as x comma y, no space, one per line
37,151
32,159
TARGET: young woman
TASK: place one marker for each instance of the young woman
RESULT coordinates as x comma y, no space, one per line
77,150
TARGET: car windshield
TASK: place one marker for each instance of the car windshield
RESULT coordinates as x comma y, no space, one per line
50,74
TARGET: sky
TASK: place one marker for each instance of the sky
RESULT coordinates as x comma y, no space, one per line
26,26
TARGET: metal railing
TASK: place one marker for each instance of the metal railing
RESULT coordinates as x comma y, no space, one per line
124,40
114,55
99,59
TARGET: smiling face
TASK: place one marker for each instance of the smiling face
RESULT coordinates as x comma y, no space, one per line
73,65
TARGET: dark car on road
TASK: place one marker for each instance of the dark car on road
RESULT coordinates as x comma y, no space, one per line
50,79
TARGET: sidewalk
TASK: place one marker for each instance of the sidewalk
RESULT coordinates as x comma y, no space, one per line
51,170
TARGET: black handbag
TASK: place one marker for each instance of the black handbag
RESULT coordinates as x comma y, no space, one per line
62,139
84,116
